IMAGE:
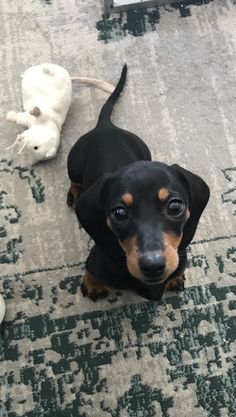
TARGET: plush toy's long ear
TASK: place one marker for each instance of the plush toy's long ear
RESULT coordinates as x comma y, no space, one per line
90,210
198,194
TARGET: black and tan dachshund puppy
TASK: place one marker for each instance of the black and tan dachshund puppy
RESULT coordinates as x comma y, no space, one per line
142,215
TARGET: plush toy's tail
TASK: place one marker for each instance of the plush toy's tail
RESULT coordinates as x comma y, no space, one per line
105,114
93,81
103,85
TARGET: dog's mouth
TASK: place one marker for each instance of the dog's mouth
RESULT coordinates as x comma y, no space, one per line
153,267
153,281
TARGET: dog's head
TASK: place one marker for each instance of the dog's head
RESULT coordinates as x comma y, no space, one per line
147,210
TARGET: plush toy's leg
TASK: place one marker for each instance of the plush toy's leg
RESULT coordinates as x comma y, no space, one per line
11,116
22,118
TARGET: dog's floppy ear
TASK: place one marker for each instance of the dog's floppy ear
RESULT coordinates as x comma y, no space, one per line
198,195
90,209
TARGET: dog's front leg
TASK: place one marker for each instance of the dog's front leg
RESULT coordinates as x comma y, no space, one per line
21,118
176,284
92,288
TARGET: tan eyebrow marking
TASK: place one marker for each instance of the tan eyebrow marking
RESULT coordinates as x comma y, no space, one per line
127,198
163,194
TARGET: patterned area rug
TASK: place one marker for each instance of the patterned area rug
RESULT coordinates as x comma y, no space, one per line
61,354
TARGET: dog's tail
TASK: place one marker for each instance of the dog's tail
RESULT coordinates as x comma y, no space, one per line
105,114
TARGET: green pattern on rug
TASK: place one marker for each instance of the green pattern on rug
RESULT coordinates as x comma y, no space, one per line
137,22
70,359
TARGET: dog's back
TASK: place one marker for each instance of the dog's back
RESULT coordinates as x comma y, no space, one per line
106,148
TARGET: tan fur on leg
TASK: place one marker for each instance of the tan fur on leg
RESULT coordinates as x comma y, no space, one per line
176,284
91,288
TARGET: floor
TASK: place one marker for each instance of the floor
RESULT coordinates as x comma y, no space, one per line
61,354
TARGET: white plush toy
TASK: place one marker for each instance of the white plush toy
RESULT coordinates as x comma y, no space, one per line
2,309
47,95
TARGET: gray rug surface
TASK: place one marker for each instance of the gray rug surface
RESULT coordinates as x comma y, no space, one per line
61,354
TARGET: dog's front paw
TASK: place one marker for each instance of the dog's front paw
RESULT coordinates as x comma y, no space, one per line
176,284
11,116
91,288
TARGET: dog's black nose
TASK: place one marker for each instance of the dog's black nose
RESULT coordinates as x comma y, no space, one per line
152,264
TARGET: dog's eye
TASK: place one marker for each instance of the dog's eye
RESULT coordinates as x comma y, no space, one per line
175,208
36,148
119,214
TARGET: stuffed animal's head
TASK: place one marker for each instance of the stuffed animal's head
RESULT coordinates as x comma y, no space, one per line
39,143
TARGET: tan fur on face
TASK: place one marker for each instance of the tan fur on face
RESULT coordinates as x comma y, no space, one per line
109,223
127,199
171,244
129,246
163,194
187,216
